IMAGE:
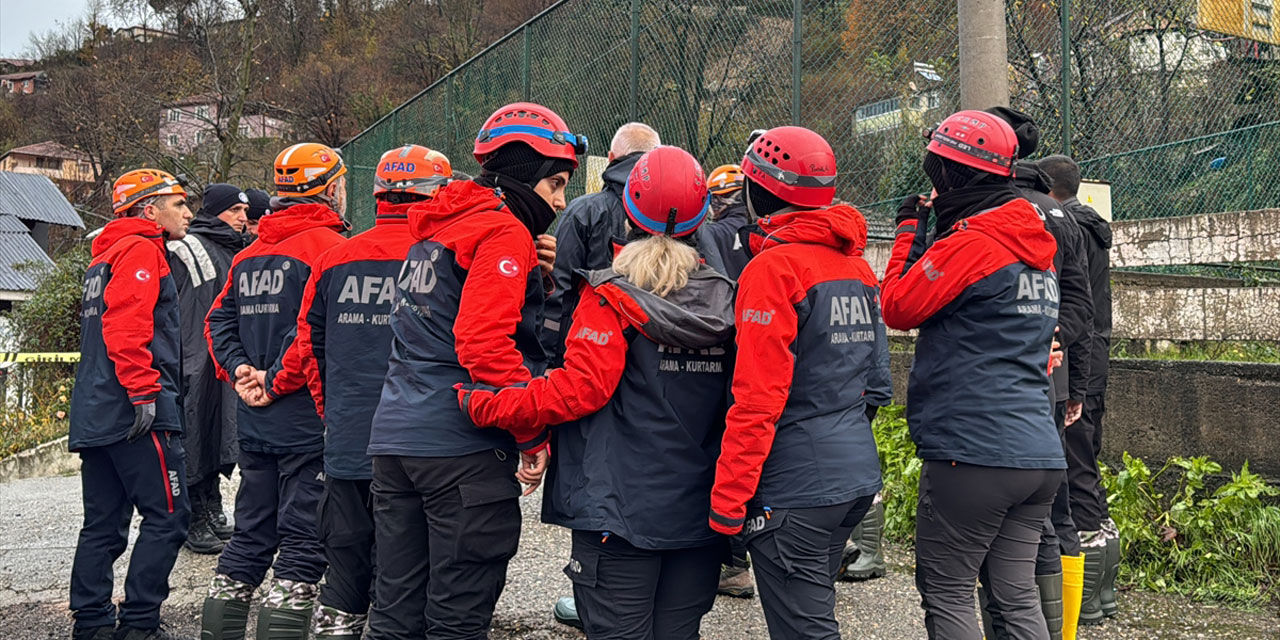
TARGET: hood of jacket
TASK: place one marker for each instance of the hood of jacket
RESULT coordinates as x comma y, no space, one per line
840,226
1090,221
696,317
1015,226
451,202
735,211
293,220
219,232
393,213
1027,175
121,228
615,175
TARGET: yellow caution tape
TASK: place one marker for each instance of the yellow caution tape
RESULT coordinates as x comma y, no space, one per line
13,356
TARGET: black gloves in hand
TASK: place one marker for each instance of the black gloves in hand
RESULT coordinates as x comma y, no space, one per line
872,410
144,415
912,208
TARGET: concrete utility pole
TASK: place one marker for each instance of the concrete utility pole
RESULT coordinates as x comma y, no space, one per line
984,54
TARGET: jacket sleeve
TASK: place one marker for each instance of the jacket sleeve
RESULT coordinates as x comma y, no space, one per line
765,364
490,307
222,330
128,322
594,360
571,254
711,249
910,295
302,362
880,379
1075,306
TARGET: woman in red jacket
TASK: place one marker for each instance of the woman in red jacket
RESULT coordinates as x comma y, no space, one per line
640,405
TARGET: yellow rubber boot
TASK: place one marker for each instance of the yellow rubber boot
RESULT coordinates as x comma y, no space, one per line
1072,591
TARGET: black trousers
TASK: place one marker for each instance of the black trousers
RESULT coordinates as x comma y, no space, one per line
796,554
445,529
738,552
972,520
346,531
625,593
148,475
1084,444
1059,536
276,519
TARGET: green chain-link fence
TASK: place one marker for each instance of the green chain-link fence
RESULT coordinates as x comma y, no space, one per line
1179,114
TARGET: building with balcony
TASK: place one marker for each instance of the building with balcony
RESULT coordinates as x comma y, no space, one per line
192,123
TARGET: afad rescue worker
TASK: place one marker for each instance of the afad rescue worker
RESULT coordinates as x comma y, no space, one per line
1059,565
200,263
984,296
281,445
126,420
647,364
730,216
469,309
341,352
1099,537
259,206
799,466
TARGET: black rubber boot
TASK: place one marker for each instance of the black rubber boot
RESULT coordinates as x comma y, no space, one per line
867,536
1050,588
283,624
93,633
200,536
1107,594
1091,599
224,619
216,513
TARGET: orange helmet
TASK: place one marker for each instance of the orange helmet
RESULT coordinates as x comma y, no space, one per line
307,169
138,184
725,179
411,169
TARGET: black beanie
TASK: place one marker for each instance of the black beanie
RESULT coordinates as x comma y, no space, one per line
219,197
1023,127
522,163
259,203
763,203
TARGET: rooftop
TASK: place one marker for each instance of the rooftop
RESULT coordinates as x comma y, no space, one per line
35,198
49,149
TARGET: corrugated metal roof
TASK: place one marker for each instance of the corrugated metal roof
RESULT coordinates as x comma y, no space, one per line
30,196
18,247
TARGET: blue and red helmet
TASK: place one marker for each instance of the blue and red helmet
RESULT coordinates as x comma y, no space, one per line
534,125
666,193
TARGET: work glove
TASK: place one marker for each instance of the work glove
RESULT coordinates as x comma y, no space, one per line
144,415
911,209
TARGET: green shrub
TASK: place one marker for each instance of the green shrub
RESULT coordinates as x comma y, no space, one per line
901,470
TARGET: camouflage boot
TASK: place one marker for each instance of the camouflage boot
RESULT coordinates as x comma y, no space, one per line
225,614
336,624
286,611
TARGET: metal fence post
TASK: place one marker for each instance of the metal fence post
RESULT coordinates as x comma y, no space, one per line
635,61
448,109
1066,77
524,67
797,32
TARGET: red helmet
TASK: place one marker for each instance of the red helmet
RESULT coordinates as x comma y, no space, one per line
534,125
411,169
793,163
976,139
666,193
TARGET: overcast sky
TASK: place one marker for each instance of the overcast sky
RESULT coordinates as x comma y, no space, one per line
20,18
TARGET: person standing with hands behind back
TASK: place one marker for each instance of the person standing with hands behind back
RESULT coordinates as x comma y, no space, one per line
126,420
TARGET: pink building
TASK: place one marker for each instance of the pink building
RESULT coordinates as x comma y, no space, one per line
190,124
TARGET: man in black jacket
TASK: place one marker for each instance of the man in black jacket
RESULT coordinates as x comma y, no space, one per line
199,263
1099,538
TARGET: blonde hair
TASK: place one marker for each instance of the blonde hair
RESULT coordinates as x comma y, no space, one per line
657,264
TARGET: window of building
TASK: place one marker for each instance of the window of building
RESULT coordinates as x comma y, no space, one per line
244,131
200,136
202,112
52,164
175,115
173,140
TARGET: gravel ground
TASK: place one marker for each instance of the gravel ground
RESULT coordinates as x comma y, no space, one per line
39,520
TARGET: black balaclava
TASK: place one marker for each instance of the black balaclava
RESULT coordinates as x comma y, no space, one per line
963,191
1024,128
515,169
760,202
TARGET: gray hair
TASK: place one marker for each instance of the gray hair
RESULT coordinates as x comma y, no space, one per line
634,137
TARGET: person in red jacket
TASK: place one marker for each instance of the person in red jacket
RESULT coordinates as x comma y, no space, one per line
340,353
282,445
469,305
647,363
985,297
126,417
799,466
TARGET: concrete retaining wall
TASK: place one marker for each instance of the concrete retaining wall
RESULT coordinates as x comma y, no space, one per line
48,459
1160,409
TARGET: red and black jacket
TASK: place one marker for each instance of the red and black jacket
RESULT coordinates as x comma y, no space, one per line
808,339
985,298
344,337
468,309
254,319
130,342
640,405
